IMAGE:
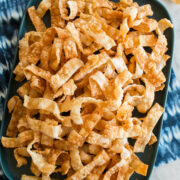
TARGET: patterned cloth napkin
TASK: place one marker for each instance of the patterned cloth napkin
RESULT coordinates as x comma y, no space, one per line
11,12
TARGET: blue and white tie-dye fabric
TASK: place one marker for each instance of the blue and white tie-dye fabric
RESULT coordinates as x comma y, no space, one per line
11,12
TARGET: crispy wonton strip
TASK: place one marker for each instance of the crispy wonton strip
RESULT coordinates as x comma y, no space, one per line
36,20
148,99
16,115
39,160
147,25
147,126
97,139
94,61
32,69
65,73
76,108
20,160
100,36
56,52
12,103
43,104
10,142
114,132
99,160
75,34
141,56
75,160
163,24
73,7
56,19
43,7
52,131
114,169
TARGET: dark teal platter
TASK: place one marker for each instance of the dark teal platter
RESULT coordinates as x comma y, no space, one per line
7,160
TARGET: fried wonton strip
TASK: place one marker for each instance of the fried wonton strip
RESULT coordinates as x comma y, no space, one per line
34,53
144,11
69,87
75,35
85,157
152,140
12,103
100,79
99,36
46,140
147,40
75,160
109,13
131,13
114,132
118,146
114,169
124,28
25,136
20,160
56,19
141,56
163,24
39,160
65,73
97,139
22,124
147,126
37,84
36,20
119,64
34,169
159,49
53,155
153,74
94,61
26,53
75,138
16,115
147,25
43,104
26,177
73,7
56,52
90,121
32,69
138,165
23,47
43,7
64,145
132,39
8,142
76,108
99,160
48,37
111,31
19,154
45,56
52,131
96,172
70,49
148,99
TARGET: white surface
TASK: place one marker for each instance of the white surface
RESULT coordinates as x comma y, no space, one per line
170,171
174,11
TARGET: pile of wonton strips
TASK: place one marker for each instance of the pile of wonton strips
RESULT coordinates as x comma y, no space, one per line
86,74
